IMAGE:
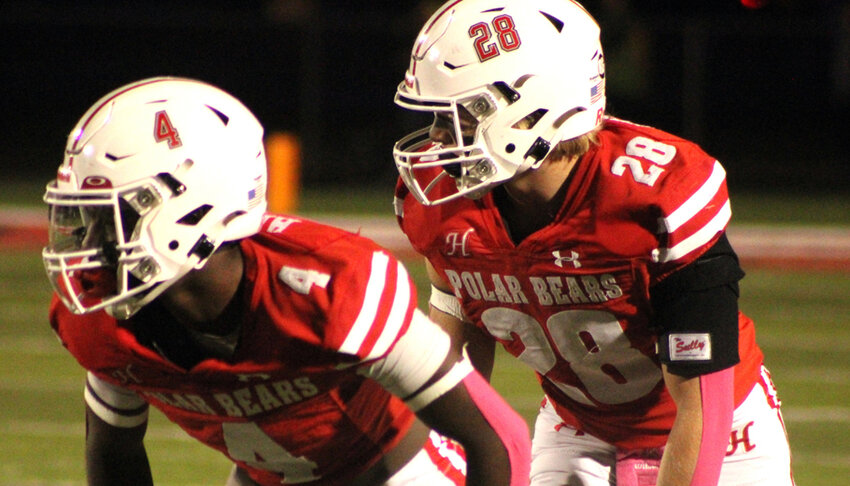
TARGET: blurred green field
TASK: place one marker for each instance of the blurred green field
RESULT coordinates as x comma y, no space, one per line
801,320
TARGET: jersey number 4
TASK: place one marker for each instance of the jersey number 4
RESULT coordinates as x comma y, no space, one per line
164,131
247,442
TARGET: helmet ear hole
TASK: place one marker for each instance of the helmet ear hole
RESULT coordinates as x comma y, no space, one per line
230,217
195,216
561,119
528,121
521,80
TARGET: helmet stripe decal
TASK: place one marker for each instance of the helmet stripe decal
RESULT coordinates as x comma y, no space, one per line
106,102
427,29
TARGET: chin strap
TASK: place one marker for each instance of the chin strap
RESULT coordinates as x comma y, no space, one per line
535,155
717,391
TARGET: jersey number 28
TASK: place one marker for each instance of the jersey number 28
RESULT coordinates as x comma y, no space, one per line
593,345
657,153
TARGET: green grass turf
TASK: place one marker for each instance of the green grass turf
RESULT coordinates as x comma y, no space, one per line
799,317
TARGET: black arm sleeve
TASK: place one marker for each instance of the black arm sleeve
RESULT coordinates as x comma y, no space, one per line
696,313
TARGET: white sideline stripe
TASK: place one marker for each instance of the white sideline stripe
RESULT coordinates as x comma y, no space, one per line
38,429
751,241
33,345
41,482
810,374
26,217
815,243
814,342
798,415
34,385
823,459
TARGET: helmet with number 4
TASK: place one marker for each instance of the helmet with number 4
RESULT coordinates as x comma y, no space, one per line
513,78
156,176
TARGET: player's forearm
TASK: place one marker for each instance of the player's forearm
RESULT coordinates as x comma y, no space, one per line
508,426
105,467
697,443
446,311
682,450
115,456
494,436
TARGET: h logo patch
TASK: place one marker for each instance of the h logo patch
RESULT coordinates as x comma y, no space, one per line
456,243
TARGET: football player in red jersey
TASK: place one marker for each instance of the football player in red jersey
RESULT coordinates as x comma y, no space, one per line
591,248
293,348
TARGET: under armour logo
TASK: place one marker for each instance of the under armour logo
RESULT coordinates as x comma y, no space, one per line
456,243
573,258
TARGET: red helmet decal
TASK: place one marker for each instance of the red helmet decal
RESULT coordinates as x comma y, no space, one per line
164,130
97,182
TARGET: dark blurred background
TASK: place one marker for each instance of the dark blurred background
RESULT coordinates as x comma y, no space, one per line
766,91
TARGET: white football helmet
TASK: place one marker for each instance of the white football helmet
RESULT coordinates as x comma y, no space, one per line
156,176
531,74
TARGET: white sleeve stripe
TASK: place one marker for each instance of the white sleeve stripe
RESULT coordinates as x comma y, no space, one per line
118,417
112,395
371,301
413,360
113,418
401,304
696,240
439,388
697,201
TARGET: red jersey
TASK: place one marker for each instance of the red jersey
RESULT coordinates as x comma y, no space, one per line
572,299
287,407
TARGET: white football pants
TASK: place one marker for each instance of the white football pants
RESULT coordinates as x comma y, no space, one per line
758,453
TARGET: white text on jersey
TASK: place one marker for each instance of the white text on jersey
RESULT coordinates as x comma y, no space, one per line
548,290
242,402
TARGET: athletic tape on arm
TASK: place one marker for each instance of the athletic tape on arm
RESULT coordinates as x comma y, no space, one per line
718,406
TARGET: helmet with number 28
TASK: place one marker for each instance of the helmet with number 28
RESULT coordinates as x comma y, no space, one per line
156,176
510,80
